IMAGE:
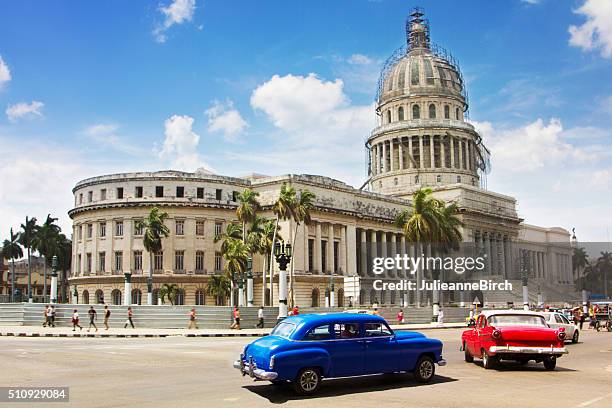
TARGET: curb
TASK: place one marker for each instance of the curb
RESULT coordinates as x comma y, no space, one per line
17,334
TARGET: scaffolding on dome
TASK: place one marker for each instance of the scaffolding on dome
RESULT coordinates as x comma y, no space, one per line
413,42
483,161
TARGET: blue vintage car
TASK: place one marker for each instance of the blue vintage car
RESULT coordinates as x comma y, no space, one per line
306,348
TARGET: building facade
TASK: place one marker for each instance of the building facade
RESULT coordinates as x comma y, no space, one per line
423,140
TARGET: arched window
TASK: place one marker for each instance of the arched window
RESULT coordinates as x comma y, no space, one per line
99,296
314,298
155,296
400,113
389,116
457,113
416,112
340,298
85,297
136,297
116,296
200,298
180,297
432,111
446,112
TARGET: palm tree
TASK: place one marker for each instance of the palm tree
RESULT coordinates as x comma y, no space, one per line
266,237
232,231
247,209
236,257
11,250
301,213
283,208
45,242
170,291
219,287
64,257
580,260
604,265
26,237
154,229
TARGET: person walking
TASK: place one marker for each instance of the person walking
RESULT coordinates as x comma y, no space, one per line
296,311
129,321
375,312
192,320
400,317
75,320
93,316
260,317
52,315
441,317
107,314
236,324
45,316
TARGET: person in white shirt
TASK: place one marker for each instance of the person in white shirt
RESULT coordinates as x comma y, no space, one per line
440,317
260,316
75,320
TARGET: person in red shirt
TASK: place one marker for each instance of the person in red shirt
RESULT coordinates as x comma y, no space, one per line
295,311
129,321
400,317
192,319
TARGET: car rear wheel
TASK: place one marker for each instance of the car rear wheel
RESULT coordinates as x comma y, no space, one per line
575,336
307,381
467,356
488,361
550,362
425,369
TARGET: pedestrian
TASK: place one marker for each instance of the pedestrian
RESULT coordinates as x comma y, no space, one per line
192,320
45,316
296,311
236,324
260,317
53,315
400,317
93,316
129,321
107,314
440,317
375,312
75,320
581,319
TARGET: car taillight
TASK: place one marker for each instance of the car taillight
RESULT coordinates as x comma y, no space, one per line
496,334
561,335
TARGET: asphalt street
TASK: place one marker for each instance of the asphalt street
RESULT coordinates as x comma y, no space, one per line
190,372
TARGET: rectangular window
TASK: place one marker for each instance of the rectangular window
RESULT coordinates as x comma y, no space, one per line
218,263
180,227
89,196
218,193
159,191
200,228
88,263
235,196
119,193
89,230
324,255
119,228
336,250
102,229
81,198
180,191
102,262
138,192
158,261
138,260
179,260
138,228
103,194
218,228
118,261
200,192
311,255
199,261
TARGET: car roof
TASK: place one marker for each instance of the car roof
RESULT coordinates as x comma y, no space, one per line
316,318
488,313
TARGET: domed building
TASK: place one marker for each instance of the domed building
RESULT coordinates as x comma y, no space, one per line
423,139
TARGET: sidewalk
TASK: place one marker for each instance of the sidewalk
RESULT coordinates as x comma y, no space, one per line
36,331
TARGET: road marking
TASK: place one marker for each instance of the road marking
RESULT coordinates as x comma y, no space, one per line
594,400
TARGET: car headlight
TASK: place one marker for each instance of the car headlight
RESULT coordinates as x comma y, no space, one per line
271,362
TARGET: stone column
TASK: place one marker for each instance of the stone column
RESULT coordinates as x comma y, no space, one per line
442,153
383,249
410,164
460,147
394,252
330,248
384,157
401,153
374,245
421,158
486,242
468,154
350,239
317,249
342,255
452,151
431,152
364,253
392,155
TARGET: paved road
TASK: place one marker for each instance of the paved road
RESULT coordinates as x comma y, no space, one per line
190,372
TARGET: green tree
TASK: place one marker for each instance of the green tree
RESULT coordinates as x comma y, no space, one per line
64,257
26,238
11,251
219,287
46,241
301,214
169,291
264,247
154,229
247,209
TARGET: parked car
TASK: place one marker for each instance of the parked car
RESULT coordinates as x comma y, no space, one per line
558,320
513,335
304,349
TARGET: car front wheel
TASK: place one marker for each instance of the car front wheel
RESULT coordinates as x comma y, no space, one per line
307,381
425,369
550,363
575,336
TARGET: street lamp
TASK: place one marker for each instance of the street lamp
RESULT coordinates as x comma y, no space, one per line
282,253
54,279
250,282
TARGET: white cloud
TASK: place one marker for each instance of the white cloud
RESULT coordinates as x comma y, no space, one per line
531,1
180,147
222,117
21,110
106,134
5,73
360,59
176,13
596,32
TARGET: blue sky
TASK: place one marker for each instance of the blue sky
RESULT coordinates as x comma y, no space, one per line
274,87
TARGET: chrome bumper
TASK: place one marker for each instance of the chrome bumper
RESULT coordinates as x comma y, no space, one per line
527,350
441,362
252,371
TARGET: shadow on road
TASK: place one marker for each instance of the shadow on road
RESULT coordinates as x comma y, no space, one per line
338,387
514,366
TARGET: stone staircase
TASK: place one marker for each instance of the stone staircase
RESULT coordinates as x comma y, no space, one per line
11,314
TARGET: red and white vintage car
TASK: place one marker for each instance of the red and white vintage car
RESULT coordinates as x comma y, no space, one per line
513,335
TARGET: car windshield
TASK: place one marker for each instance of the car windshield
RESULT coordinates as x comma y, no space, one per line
516,320
283,329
